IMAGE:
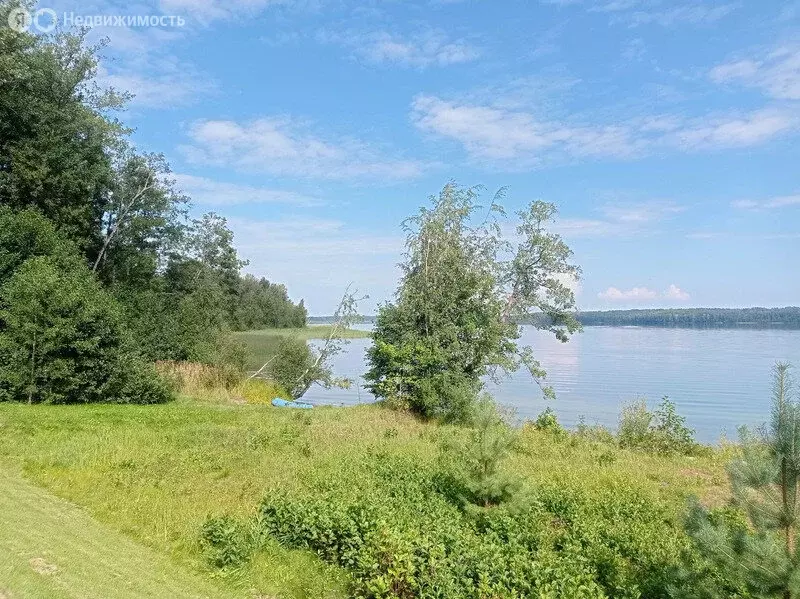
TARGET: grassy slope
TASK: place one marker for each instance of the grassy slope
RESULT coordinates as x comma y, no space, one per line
263,344
154,473
51,548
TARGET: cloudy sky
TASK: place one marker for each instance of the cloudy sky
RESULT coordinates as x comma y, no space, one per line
667,131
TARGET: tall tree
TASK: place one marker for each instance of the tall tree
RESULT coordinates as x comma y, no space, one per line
464,287
55,136
142,221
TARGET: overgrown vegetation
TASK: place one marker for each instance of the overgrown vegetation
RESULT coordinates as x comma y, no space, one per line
661,431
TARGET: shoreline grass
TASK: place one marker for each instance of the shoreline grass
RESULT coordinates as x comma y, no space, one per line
155,473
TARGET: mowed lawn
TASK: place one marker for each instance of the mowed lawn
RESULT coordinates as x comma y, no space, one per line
51,548
263,344
147,477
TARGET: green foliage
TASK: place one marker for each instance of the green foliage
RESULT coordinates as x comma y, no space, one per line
755,547
25,234
662,431
293,363
56,141
474,468
63,340
388,523
462,289
262,305
227,542
548,422
447,396
74,189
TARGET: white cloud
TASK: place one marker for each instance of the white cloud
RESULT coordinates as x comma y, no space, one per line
284,147
512,137
497,133
620,219
735,131
635,13
643,294
428,48
635,294
676,293
217,193
771,203
777,73
584,227
163,83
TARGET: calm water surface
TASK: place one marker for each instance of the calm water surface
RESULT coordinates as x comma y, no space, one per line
719,379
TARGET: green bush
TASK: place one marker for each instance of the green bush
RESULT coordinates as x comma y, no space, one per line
227,542
387,521
291,365
662,431
63,340
548,422
448,397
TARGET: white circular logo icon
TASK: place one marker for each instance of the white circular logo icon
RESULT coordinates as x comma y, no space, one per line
19,20
47,24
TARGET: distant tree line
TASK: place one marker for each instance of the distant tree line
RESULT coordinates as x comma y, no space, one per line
102,272
723,318
696,318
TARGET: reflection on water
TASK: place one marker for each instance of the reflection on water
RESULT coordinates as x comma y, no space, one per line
719,379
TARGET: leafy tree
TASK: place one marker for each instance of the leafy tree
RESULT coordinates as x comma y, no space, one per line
25,234
63,340
261,304
142,222
463,289
55,138
759,554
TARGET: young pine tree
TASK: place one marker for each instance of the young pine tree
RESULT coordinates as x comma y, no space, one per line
760,555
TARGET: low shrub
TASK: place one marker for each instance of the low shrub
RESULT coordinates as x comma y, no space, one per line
548,422
389,524
228,542
596,433
662,431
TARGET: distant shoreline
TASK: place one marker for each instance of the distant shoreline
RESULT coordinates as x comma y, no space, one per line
787,318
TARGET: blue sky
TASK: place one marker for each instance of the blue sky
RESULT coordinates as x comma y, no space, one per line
666,131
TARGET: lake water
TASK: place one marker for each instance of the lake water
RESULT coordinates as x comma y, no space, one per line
719,379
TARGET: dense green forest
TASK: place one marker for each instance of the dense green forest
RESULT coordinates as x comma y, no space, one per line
696,318
102,269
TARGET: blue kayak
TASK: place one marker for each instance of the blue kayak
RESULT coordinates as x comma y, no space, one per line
282,403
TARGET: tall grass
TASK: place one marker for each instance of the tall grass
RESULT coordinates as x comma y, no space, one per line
219,385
